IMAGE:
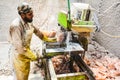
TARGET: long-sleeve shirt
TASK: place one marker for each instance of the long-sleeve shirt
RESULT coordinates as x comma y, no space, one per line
17,29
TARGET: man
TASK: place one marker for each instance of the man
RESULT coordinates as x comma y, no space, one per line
21,31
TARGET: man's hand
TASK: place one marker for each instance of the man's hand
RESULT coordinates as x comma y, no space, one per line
60,37
52,34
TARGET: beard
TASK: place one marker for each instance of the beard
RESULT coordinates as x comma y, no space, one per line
28,20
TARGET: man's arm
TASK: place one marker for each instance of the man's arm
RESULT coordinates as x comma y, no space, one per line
38,32
43,35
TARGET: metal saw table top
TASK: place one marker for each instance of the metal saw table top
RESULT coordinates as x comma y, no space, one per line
71,47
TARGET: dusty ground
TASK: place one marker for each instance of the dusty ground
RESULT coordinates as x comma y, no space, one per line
104,64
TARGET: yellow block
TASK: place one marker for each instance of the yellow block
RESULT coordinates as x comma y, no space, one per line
83,28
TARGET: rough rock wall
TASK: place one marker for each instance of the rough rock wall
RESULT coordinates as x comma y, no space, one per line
7,14
109,18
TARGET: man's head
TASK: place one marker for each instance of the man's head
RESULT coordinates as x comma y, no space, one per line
25,11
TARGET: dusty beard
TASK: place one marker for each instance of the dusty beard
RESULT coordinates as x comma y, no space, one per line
28,20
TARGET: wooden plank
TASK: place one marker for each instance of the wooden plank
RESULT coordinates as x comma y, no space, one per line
72,76
51,70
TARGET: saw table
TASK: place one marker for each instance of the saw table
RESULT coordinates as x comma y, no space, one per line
74,49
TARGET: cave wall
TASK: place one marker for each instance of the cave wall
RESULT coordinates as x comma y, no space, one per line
109,18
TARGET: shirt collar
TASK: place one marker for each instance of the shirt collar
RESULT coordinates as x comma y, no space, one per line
22,21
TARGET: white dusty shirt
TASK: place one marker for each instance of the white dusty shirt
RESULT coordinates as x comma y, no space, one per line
16,34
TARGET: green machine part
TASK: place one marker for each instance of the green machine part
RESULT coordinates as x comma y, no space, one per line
62,19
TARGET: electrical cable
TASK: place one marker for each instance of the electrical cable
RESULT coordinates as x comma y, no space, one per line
113,36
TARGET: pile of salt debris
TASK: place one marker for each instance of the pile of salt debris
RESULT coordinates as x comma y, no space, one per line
104,64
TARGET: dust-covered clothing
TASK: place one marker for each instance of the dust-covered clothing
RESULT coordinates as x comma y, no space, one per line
20,37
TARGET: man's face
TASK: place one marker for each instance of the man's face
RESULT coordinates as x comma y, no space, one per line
28,17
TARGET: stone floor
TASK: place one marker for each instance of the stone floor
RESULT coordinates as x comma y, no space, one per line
5,68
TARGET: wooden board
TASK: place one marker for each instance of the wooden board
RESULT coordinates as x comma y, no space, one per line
73,76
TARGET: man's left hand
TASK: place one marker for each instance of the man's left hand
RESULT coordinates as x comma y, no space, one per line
52,34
